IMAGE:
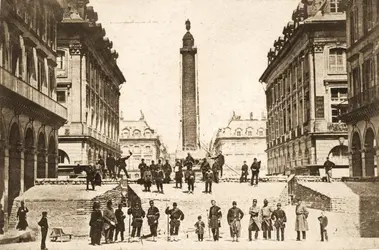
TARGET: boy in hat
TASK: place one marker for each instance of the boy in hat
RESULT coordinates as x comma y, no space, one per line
44,227
200,225
323,224
280,219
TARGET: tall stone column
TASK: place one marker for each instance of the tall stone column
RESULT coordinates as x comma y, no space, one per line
363,155
350,164
22,171
6,189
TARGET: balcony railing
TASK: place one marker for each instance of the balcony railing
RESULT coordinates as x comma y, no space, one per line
27,91
363,98
337,127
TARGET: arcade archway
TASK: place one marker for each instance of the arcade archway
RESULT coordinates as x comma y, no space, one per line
41,157
14,173
370,152
29,160
356,155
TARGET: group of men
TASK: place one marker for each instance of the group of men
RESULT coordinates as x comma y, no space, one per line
154,174
255,167
261,219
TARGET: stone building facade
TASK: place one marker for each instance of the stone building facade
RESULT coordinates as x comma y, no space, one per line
307,91
88,80
139,138
30,116
362,117
242,140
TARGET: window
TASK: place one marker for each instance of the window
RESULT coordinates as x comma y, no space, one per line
335,6
148,149
249,133
260,132
137,150
338,94
136,133
60,59
356,83
338,110
41,75
238,132
368,15
61,96
337,61
354,29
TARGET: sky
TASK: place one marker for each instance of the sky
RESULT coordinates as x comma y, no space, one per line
232,37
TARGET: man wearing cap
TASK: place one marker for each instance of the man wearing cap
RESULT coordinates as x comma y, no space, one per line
214,219
280,219
266,212
234,217
176,215
109,222
147,177
152,219
190,179
142,167
159,175
44,228
254,224
137,221
255,171
301,224
178,174
111,162
167,172
122,165
245,172
204,167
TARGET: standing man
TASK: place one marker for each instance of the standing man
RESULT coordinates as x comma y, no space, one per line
254,224
215,168
147,179
167,172
44,228
328,165
152,219
111,162
208,181
214,220
109,222
120,226
21,215
96,224
137,220
178,174
245,172
220,159
159,178
190,179
176,215
266,212
301,224
234,217
189,160
255,171
142,167
204,167
279,216
101,163
123,165
90,177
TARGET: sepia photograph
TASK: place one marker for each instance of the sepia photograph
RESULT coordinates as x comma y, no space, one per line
189,124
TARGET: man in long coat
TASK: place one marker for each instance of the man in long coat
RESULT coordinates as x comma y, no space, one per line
147,177
328,165
245,172
120,226
279,216
301,224
266,212
234,218
204,167
220,160
254,224
138,214
208,181
255,171
176,215
111,162
109,222
167,172
214,220
178,174
142,167
152,219
190,179
159,176
96,224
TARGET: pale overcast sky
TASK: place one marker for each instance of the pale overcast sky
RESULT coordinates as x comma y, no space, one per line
232,37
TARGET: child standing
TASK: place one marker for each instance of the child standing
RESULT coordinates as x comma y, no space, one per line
44,227
323,224
200,225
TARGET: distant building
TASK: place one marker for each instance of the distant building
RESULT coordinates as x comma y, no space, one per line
30,116
362,116
242,140
139,138
88,80
307,91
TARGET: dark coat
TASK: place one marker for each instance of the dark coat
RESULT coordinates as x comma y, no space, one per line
200,226
159,175
205,166
21,215
323,221
214,215
234,214
209,176
244,168
167,168
138,215
111,162
190,175
176,215
96,222
43,223
255,166
280,218
152,215
122,161
328,165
